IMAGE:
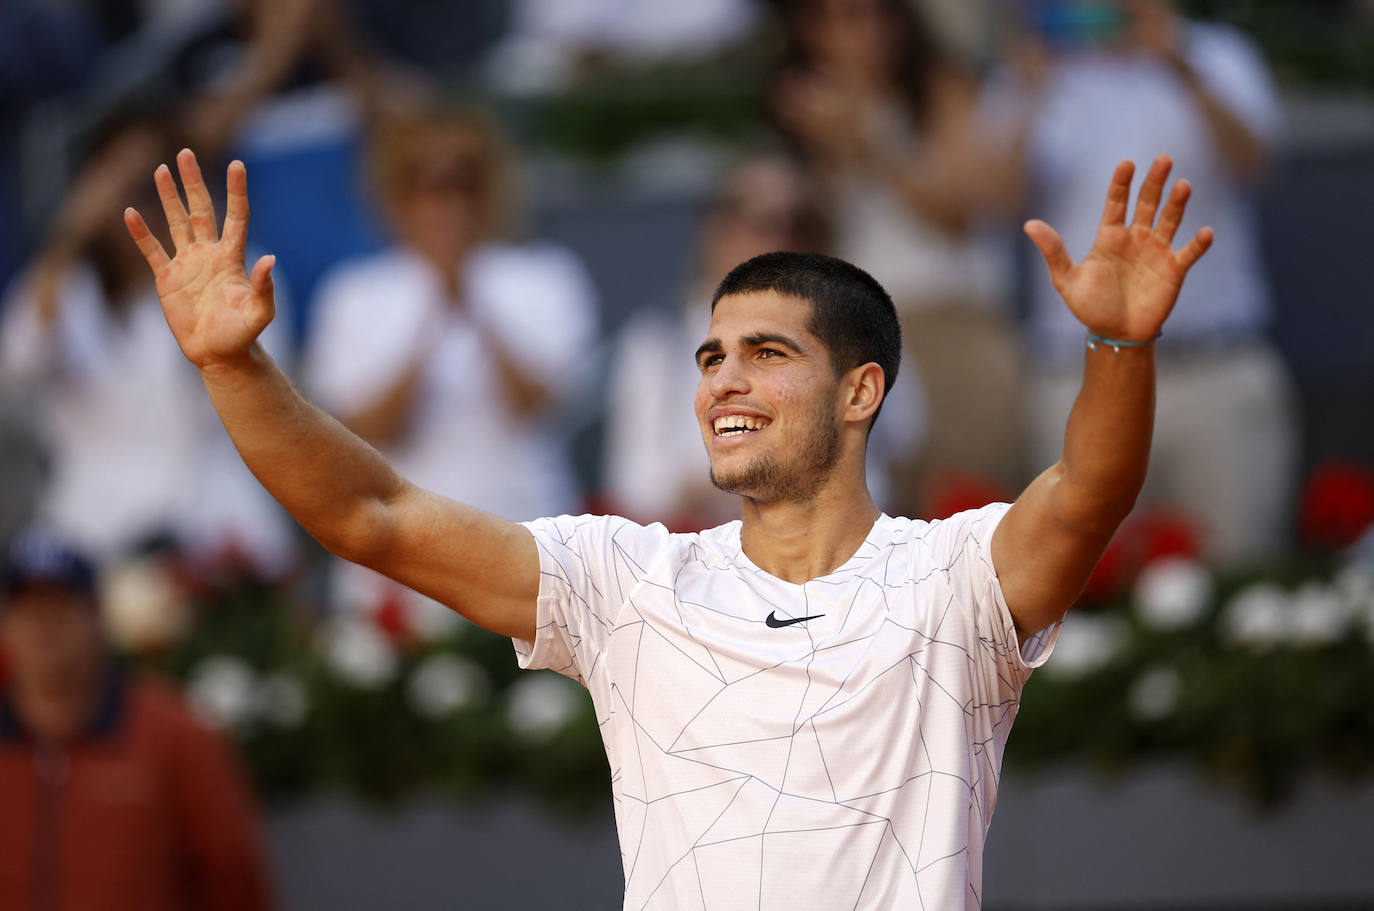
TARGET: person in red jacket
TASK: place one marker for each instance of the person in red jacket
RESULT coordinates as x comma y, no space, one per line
114,797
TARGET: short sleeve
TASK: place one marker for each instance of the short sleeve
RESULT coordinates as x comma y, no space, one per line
1235,71
966,540
588,567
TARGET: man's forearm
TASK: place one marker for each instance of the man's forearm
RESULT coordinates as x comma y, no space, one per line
1107,442
331,481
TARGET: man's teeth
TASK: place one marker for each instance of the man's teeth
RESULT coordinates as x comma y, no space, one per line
733,424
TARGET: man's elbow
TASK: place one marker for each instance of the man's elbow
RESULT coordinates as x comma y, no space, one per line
1092,508
361,536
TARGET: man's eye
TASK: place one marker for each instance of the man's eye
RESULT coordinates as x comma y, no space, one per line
770,352
711,361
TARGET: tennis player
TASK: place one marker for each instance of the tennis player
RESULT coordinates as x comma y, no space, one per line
806,708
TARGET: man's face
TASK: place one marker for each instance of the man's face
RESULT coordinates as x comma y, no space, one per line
441,198
49,632
766,402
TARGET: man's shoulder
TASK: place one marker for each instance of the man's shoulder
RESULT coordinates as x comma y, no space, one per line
943,536
612,534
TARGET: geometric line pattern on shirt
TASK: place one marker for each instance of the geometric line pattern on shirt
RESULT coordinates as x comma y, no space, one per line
751,737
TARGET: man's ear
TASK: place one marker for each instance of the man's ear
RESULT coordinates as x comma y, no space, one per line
863,389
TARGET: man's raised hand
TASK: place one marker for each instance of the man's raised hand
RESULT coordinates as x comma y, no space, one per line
1126,286
214,308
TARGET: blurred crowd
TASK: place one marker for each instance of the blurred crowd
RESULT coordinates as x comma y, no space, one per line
416,305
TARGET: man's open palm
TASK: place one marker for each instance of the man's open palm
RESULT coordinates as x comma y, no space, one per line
213,307
1127,284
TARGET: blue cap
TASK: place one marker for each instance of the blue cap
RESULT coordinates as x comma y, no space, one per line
39,556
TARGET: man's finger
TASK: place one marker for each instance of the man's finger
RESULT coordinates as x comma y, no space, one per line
236,208
261,279
1199,245
178,223
1051,247
1150,192
1173,211
198,197
1119,194
147,244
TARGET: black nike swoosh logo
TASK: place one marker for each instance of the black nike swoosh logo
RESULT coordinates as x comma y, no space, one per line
775,623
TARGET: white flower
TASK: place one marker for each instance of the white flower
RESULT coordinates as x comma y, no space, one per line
1155,693
1356,585
359,654
1320,616
539,705
221,690
1173,594
1087,643
1256,617
431,619
282,700
444,683
142,608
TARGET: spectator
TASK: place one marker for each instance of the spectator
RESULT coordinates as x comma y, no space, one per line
288,86
888,121
1133,80
114,797
454,335
136,453
656,466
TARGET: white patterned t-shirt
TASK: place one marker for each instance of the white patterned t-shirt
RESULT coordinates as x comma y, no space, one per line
834,744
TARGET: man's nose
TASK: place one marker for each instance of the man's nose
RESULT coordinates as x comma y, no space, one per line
728,379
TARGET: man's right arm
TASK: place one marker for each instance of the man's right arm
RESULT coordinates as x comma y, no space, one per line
337,486
346,495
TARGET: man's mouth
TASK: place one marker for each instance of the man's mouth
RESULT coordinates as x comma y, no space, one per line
734,425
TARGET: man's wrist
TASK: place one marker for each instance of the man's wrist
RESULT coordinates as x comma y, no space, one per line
1094,341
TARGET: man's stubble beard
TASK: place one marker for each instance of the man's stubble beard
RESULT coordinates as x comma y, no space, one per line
767,480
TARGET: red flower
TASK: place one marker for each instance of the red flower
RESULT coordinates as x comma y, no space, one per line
1337,505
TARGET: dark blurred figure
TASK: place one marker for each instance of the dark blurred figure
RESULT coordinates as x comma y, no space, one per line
114,797
454,333
656,468
137,454
1102,81
888,120
23,462
47,50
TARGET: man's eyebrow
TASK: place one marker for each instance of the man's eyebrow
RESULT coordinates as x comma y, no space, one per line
770,338
710,346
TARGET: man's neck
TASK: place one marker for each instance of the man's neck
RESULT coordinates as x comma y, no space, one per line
798,542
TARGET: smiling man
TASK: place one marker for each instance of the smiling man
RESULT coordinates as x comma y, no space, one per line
806,708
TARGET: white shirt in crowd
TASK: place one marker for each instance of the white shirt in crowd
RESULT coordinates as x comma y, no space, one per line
920,263
1100,108
375,316
136,446
835,744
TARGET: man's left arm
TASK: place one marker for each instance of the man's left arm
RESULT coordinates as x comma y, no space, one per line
1046,546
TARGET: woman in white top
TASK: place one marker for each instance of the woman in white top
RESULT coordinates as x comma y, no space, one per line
451,351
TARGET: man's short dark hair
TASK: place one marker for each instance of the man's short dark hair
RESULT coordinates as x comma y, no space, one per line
850,312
